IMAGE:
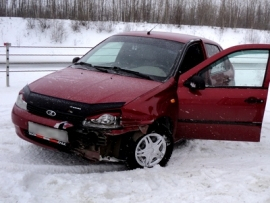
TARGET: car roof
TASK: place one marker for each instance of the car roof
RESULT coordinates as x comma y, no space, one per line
183,38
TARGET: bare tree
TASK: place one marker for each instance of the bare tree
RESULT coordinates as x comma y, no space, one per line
227,13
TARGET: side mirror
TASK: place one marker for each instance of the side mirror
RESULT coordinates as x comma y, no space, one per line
195,83
76,59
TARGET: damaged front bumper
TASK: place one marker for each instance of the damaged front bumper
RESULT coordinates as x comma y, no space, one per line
92,143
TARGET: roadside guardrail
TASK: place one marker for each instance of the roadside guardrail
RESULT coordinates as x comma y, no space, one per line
37,55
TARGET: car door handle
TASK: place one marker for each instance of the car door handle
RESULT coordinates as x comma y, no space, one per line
253,100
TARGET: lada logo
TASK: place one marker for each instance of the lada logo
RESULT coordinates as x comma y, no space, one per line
51,113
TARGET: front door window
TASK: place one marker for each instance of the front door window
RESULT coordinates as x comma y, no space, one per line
239,69
193,57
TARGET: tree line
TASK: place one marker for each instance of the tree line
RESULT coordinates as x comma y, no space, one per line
253,14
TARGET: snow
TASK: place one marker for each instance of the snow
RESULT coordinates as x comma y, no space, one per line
199,171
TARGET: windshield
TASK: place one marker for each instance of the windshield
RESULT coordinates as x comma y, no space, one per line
148,56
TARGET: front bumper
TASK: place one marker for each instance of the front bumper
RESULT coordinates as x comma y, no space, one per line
21,119
94,144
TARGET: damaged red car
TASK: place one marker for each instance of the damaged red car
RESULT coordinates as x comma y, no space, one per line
135,94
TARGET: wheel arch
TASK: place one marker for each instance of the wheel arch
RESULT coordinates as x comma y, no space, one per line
162,126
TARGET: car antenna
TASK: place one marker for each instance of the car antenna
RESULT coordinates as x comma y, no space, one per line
148,33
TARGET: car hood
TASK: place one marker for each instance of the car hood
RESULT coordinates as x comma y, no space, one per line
91,86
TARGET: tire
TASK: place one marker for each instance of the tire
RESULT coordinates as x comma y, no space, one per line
150,150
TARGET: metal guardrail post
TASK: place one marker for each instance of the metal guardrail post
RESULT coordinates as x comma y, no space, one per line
7,62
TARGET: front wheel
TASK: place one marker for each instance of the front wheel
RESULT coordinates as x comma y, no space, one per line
150,150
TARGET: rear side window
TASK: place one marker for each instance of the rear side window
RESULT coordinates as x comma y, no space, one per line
211,49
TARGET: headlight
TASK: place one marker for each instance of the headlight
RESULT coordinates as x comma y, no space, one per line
106,121
20,102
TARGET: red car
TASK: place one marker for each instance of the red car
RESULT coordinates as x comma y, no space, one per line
135,94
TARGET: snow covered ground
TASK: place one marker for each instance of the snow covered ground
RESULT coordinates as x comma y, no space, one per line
199,171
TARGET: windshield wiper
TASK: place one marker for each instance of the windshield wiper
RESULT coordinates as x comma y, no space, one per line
102,68
115,69
83,63
90,65
141,75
